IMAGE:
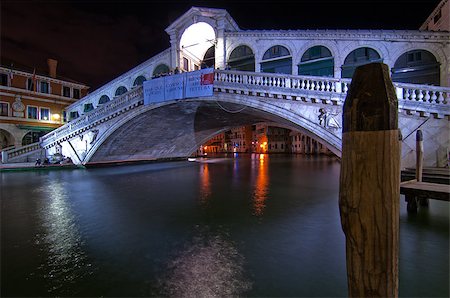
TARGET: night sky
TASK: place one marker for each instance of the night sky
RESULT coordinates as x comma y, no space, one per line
96,41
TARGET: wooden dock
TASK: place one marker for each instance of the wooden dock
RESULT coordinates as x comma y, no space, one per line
419,192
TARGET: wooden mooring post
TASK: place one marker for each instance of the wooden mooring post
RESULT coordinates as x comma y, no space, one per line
369,191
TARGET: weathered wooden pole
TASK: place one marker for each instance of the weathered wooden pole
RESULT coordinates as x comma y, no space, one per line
370,183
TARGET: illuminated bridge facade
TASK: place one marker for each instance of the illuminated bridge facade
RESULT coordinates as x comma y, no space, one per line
275,76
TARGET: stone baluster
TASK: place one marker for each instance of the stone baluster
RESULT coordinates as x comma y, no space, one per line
420,95
303,84
313,85
413,94
433,97
427,96
307,85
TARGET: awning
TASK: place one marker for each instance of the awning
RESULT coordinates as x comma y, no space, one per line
35,128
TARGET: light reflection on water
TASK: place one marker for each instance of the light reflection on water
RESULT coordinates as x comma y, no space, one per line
261,226
208,266
260,167
60,240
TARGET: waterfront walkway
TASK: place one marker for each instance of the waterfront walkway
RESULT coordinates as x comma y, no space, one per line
23,166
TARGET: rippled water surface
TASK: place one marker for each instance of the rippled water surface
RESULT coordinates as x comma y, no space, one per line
247,226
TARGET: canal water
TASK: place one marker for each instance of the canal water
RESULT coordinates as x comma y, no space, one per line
253,225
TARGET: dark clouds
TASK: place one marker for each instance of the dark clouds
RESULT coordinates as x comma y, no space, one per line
95,41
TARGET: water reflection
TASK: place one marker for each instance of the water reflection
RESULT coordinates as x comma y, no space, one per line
61,241
205,184
209,266
259,196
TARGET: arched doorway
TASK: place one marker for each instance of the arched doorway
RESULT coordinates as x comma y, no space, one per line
32,137
139,81
359,57
161,69
121,90
242,58
197,47
317,61
416,67
277,59
6,139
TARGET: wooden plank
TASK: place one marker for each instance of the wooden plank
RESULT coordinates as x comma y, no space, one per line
425,190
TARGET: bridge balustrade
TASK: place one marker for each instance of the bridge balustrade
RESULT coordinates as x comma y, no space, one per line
326,90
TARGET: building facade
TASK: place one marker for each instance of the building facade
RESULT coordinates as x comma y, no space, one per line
32,104
439,19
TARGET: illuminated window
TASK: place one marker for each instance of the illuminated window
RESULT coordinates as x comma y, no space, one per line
32,112
45,114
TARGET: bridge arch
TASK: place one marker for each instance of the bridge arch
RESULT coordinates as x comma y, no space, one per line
190,123
357,57
242,57
139,80
416,67
277,59
316,61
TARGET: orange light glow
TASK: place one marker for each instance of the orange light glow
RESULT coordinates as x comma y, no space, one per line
261,187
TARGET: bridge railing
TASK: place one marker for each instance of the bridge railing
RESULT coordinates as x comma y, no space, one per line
15,152
412,97
108,109
292,85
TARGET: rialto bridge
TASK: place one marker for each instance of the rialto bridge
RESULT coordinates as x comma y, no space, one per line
288,77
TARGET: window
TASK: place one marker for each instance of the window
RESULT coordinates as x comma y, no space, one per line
88,107
103,99
66,91
30,84
44,87
185,64
45,114
32,112
160,70
241,58
76,93
4,109
139,81
277,59
4,79
74,115
121,90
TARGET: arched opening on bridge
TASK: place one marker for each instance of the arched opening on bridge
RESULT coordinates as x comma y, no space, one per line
242,58
32,137
209,60
196,41
416,67
139,81
277,59
317,61
161,69
103,99
6,139
357,58
121,90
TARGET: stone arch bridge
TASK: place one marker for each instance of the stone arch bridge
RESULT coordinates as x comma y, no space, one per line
124,129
